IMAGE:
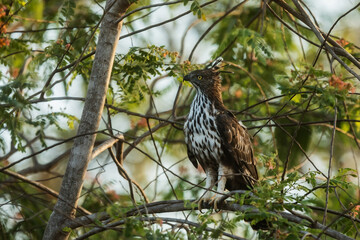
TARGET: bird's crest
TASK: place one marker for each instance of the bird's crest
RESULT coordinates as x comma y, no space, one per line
218,64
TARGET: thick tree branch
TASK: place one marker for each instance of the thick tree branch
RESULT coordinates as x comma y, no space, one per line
180,205
94,103
181,223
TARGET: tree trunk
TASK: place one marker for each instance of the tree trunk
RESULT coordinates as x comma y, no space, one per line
65,208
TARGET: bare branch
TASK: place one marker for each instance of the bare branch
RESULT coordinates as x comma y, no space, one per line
155,219
41,187
107,144
180,205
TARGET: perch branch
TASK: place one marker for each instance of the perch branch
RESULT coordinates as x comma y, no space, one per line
180,205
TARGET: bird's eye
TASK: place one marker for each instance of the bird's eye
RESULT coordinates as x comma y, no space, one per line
199,77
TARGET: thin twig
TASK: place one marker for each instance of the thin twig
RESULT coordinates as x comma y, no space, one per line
330,161
164,22
212,26
41,187
147,7
294,135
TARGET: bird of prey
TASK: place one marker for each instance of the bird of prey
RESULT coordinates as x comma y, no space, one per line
215,139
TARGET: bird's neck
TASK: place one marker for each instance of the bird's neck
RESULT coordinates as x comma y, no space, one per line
214,98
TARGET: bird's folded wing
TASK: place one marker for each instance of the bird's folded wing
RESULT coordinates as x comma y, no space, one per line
236,145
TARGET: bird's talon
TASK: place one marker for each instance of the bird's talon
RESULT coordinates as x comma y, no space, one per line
215,201
199,202
202,200
215,205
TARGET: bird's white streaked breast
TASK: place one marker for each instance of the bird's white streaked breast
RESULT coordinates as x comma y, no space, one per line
200,130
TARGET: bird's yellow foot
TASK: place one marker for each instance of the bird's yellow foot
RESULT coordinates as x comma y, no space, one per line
212,201
202,200
215,200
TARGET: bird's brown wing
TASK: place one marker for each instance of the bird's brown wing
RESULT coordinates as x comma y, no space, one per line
238,152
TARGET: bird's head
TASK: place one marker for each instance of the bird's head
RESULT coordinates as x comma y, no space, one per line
207,78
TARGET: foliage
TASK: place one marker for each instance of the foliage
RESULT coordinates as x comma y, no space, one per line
133,69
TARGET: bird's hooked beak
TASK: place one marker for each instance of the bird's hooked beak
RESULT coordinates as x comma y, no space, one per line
186,78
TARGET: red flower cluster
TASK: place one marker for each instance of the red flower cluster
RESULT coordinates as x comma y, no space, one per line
342,42
336,82
4,41
2,11
355,212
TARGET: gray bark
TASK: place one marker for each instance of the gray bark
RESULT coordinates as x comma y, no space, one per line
65,208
